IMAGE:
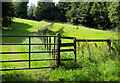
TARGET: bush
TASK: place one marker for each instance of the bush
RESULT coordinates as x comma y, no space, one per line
116,45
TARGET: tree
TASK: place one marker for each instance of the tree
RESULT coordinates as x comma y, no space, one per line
21,9
44,10
63,7
7,13
92,14
72,12
114,13
79,13
99,13
30,11
84,13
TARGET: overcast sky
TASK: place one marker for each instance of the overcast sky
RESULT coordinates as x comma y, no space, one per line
35,2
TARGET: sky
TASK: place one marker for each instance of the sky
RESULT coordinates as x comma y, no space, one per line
35,2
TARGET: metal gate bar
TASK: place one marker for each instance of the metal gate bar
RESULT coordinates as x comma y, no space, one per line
26,68
28,52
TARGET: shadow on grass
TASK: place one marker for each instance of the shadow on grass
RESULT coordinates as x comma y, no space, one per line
16,29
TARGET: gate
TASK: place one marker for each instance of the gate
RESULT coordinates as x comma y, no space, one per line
47,45
55,51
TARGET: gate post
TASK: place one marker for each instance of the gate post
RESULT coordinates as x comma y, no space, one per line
58,49
54,48
75,48
29,50
49,45
44,38
109,45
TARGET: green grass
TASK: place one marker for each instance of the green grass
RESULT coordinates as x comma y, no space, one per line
82,32
24,27
101,65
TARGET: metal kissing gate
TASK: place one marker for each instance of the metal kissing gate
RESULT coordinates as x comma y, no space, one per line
47,42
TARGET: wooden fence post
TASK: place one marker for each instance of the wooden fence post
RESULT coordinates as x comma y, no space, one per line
54,48
44,37
75,49
58,49
78,47
49,45
109,44
29,50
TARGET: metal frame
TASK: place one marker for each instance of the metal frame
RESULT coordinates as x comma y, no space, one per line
28,52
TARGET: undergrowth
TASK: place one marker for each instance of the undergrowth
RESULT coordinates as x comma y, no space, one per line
100,65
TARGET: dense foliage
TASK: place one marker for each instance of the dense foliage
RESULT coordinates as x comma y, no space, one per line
44,10
7,13
114,13
30,12
99,15
92,14
20,9
63,7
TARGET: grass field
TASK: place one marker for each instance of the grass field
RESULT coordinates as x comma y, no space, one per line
100,66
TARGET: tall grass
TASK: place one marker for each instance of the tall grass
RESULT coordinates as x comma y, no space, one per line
100,65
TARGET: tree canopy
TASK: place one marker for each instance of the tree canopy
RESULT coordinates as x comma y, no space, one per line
44,10
114,13
30,12
20,9
7,13
99,15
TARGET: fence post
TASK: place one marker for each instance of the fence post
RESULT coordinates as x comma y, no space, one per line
75,49
54,48
29,50
49,45
78,47
58,49
109,44
44,33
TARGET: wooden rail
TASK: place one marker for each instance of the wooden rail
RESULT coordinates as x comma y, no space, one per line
67,44
86,40
94,40
99,40
68,37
